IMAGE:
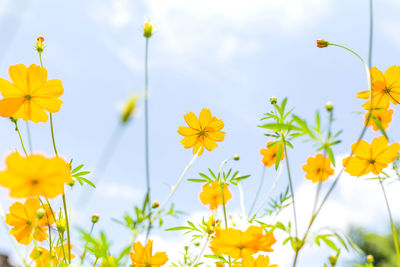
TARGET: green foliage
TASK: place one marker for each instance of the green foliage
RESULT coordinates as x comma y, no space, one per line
226,177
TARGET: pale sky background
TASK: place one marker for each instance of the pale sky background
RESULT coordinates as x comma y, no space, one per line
229,56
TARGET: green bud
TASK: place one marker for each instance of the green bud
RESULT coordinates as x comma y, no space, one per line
329,106
95,218
370,259
40,213
236,157
273,100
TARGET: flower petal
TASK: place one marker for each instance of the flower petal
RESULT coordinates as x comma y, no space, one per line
49,89
52,105
18,75
8,89
36,76
204,118
192,120
9,106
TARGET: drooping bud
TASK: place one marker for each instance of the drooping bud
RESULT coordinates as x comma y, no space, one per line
329,106
321,43
95,218
148,29
273,100
40,46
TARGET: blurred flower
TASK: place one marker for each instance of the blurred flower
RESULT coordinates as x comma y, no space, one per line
329,106
212,194
26,225
385,88
40,46
383,115
261,261
129,109
318,169
203,132
239,244
273,100
95,218
371,158
143,256
29,94
34,176
42,256
148,29
270,153
321,43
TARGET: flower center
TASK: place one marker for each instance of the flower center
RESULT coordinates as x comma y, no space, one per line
202,133
28,97
371,161
34,181
319,170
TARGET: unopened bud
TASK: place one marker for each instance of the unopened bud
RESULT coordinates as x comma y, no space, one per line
186,248
61,223
329,106
370,259
155,205
72,183
95,218
273,100
321,43
333,260
148,29
40,46
37,252
129,109
40,213
236,157
197,244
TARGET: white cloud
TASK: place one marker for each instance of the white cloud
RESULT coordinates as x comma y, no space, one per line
119,191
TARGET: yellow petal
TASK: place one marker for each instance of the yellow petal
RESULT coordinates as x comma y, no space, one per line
18,75
192,120
52,105
209,144
37,76
49,89
8,89
189,141
9,106
204,118
216,136
392,77
187,131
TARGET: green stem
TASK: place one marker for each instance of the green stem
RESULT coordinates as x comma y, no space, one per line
258,190
95,262
28,133
68,230
371,31
84,251
224,209
20,137
52,134
392,226
146,120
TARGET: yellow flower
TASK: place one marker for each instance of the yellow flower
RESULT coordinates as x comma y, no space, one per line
35,176
203,132
29,94
385,88
212,195
270,153
261,261
318,169
148,29
239,244
383,115
371,158
143,256
26,223
42,256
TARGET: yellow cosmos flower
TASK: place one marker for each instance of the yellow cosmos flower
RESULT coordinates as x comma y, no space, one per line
30,94
143,256
203,132
383,115
371,158
270,153
318,169
35,176
42,256
385,88
28,220
239,244
261,261
212,195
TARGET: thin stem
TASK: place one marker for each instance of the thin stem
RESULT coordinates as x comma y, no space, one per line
394,232
48,223
86,243
371,31
95,262
52,134
202,251
258,190
68,230
20,137
28,133
241,196
61,238
146,120
224,209
290,186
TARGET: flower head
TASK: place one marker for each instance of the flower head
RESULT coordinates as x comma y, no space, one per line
239,244
212,194
42,256
40,46
385,88
30,94
148,29
321,43
383,115
270,153
143,256
35,175
371,157
318,168
25,222
203,132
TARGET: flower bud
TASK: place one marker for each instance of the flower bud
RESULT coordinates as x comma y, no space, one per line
186,248
197,244
40,46
321,43
370,259
236,157
148,29
40,213
72,183
37,252
333,260
155,205
329,106
61,224
13,120
273,100
95,218
129,109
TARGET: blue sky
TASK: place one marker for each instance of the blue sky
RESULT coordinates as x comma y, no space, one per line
229,56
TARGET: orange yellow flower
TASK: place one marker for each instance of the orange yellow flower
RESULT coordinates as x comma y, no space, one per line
383,115
143,256
270,153
371,157
385,88
261,261
239,244
318,168
212,194
35,175
42,256
203,132
30,94
28,220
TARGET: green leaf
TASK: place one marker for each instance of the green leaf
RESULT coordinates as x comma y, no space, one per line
179,228
378,123
198,180
278,156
